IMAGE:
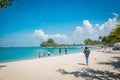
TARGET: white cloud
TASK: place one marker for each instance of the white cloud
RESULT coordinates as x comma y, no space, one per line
59,36
88,25
78,29
93,32
109,25
88,30
101,27
40,33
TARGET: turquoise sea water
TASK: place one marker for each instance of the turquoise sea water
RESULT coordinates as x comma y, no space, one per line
8,54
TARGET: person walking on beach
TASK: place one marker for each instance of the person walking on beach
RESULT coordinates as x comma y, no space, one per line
86,52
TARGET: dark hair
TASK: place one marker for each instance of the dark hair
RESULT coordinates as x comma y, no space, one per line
86,47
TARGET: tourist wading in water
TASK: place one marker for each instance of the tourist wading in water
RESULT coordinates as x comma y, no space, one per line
48,53
65,50
86,52
60,51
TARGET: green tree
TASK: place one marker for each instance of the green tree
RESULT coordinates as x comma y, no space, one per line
49,43
43,44
113,37
88,41
115,34
5,3
92,42
100,38
105,40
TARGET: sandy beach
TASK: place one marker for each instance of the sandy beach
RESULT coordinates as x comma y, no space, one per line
102,65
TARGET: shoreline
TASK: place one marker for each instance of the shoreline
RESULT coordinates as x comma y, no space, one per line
40,58
37,56
64,67
25,59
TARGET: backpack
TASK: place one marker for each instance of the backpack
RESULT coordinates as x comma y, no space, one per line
86,51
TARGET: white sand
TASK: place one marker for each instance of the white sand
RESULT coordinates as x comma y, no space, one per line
64,67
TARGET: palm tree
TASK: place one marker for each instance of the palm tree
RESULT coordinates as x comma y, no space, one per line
100,38
115,34
106,40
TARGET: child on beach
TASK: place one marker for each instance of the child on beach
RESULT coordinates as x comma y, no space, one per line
86,52
48,53
44,54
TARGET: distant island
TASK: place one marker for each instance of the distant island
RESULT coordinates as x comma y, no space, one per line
51,43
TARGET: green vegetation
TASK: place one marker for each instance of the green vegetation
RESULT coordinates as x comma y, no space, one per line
52,43
113,37
5,3
115,34
49,43
91,42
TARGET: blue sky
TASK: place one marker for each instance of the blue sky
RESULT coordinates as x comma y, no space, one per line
29,22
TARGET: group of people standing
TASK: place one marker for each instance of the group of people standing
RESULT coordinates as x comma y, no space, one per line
60,51
51,54
86,52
